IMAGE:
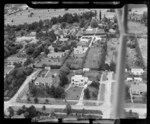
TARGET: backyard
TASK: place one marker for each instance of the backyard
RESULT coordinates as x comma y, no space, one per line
94,58
73,93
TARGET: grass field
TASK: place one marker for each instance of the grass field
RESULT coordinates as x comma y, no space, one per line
102,93
137,28
93,59
143,47
73,93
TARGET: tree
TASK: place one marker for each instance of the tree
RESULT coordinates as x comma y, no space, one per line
82,23
44,108
63,80
32,112
63,25
112,66
36,100
11,111
127,94
46,101
26,114
68,109
100,15
28,99
94,23
59,92
20,111
46,51
30,51
64,70
87,93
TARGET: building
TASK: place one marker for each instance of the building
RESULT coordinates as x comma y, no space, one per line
138,89
56,55
13,59
137,71
86,69
51,49
43,81
80,50
137,79
84,39
29,38
129,79
79,80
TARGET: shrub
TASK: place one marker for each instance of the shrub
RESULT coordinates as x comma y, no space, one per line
87,93
95,84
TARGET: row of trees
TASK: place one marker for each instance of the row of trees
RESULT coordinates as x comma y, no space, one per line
49,91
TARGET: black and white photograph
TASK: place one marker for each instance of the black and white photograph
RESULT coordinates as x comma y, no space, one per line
75,63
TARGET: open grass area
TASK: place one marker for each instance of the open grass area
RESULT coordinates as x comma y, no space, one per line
137,28
94,58
77,63
143,48
73,93
102,92
39,14
93,75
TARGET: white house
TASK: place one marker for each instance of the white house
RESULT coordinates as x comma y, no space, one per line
86,69
129,79
137,71
80,50
84,39
56,55
79,80
138,79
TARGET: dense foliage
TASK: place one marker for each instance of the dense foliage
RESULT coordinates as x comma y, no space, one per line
14,80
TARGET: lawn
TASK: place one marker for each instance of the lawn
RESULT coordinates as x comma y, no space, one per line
112,92
143,47
77,63
93,75
137,28
73,93
102,92
94,58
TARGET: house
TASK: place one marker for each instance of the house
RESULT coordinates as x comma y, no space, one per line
138,89
79,80
44,81
86,69
63,39
84,39
13,59
24,38
51,49
129,79
137,79
56,55
137,71
80,50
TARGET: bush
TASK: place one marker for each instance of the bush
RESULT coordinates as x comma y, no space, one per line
95,84
87,93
